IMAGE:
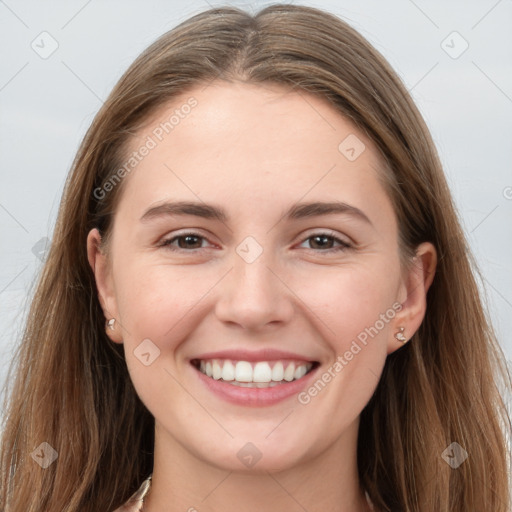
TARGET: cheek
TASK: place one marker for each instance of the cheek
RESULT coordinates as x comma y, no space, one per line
343,301
155,301
160,304
350,300
354,313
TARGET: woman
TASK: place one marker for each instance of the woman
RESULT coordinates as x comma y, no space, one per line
258,295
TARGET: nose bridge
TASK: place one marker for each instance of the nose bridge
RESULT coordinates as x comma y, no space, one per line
252,294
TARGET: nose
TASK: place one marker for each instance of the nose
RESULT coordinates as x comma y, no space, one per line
254,295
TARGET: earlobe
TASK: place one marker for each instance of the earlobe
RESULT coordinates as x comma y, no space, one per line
415,287
98,262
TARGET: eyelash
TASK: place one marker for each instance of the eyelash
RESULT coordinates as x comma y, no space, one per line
343,245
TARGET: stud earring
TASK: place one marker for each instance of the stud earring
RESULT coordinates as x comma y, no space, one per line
110,324
400,335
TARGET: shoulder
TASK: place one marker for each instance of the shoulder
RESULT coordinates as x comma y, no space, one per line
134,504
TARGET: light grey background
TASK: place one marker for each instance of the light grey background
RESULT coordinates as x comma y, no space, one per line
46,105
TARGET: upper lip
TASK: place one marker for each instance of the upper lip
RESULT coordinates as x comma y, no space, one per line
269,354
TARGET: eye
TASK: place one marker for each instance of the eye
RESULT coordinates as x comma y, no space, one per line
193,241
324,241
189,241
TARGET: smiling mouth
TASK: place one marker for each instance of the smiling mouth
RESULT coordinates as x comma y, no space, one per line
261,374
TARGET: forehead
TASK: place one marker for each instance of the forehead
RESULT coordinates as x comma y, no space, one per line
250,114
231,141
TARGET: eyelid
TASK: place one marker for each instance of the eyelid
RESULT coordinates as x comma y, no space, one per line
168,239
344,245
327,232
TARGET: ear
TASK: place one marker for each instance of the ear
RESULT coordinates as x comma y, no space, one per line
413,294
100,266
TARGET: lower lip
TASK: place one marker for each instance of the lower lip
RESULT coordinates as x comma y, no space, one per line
255,397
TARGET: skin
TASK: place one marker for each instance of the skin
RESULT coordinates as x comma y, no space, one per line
256,151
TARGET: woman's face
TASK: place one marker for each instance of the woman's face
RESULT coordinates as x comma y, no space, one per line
263,287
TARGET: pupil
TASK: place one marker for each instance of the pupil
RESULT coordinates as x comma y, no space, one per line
321,237
187,239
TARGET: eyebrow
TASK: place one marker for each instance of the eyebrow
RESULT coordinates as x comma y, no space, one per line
296,212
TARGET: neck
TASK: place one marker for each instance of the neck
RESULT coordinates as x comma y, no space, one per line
183,482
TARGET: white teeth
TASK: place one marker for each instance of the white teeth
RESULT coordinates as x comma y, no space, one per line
216,370
300,372
288,373
228,371
278,372
243,371
260,374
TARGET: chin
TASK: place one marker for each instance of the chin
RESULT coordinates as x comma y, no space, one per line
253,457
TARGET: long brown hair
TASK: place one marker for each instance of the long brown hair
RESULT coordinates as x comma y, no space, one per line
71,388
